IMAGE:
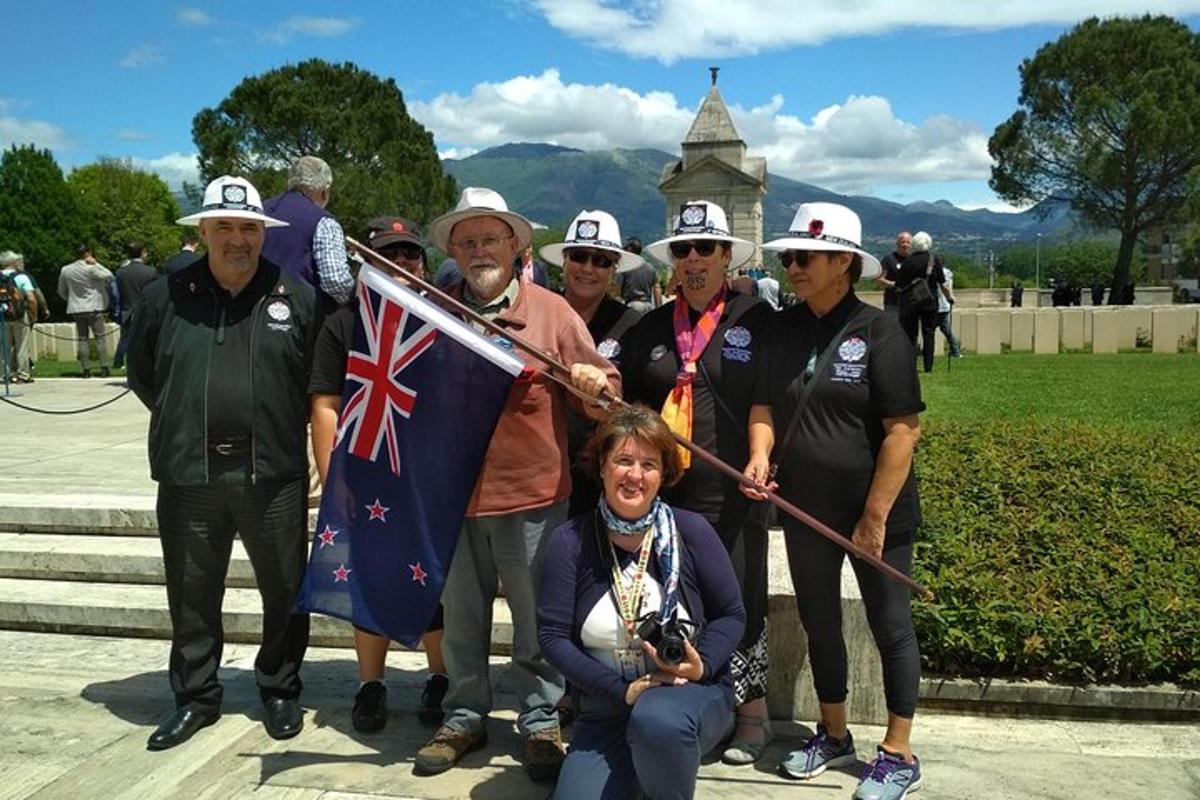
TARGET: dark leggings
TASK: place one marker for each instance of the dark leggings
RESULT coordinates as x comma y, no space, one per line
816,567
927,321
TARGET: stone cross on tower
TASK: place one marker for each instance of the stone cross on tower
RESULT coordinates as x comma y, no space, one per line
715,167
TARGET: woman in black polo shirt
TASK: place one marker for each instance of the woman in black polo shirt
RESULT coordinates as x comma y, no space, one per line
849,464
694,358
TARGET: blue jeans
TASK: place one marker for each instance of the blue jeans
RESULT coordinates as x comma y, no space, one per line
492,549
943,323
657,745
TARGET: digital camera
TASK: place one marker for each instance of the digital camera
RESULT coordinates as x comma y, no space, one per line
667,637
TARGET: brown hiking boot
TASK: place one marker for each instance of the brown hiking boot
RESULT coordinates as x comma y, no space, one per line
447,746
544,754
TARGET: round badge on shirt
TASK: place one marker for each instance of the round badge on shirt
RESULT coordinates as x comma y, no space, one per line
852,349
658,352
279,311
609,348
738,336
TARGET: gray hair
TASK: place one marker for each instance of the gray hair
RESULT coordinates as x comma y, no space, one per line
922,242
9,259
309,173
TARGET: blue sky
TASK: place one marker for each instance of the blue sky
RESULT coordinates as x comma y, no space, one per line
892,98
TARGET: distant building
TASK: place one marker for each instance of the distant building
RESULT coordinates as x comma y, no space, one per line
1162,252
715,167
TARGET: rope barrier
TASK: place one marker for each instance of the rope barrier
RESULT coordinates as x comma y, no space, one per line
55,412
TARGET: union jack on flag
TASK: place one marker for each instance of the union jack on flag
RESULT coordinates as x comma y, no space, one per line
371,410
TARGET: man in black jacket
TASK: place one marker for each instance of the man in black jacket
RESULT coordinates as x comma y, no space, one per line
220,354
132,278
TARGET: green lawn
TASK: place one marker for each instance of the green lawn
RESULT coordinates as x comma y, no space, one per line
1130,390
53,368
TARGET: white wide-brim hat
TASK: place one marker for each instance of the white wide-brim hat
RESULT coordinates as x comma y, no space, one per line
830,227
597,230
479,202
229,196
701,219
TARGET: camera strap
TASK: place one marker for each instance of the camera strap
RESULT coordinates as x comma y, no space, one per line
629,597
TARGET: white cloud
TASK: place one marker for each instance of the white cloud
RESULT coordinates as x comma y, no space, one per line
142,56
21,131
848,147
457,152
174,168
192,16
310,26
669,30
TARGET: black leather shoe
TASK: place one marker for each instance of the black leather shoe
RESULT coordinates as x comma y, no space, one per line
370,708
180,727
284,717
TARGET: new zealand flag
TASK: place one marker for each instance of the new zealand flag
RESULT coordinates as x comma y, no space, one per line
423,395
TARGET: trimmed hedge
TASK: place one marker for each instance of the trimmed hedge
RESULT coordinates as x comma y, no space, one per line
1068,552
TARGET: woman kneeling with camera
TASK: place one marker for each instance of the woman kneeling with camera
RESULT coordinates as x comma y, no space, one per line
639,608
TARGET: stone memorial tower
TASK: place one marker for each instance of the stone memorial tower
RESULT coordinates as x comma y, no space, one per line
715,167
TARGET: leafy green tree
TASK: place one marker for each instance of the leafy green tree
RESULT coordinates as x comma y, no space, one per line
1082,263
383,161
38,217
1110,122
119,204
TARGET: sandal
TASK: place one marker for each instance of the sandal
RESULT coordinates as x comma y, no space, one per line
741,752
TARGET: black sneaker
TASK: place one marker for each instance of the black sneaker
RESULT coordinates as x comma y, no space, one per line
104,373
370,708
430,711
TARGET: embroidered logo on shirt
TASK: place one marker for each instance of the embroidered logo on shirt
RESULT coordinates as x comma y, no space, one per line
279,311
736,354
609,348
738,336
852,349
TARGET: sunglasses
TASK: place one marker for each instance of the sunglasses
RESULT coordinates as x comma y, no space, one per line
703,247
599,259
405,250
798,257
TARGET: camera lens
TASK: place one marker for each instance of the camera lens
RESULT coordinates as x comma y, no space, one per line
670,650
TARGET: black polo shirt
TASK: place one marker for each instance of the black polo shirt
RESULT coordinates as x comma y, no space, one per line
891,270
230,410
828,467
649,363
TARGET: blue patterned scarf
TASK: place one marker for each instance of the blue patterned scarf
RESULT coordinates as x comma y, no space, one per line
665,545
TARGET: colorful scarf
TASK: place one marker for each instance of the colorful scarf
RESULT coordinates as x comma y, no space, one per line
665,545
689,343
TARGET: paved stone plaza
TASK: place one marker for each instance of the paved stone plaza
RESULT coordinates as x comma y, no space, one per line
75,711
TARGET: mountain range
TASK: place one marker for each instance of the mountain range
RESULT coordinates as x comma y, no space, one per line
550,184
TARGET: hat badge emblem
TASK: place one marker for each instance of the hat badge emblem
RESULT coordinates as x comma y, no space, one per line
588,229
693,215
233,194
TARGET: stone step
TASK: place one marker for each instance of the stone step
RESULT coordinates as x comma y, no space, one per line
99,559
87,515
134,610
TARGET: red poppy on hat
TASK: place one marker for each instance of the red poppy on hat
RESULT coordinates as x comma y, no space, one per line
398,227
816,227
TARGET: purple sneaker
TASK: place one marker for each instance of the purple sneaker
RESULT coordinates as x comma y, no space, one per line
889,777
817,755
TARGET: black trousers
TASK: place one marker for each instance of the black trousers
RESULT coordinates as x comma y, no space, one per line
746,543
816,567
196,527
927,320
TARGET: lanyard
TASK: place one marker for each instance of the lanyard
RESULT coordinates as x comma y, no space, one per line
629,598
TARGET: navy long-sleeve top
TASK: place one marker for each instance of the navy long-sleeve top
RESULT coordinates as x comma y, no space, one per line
575,577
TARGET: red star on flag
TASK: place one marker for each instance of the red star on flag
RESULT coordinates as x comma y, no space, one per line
378,510
326,536
341,574
419,573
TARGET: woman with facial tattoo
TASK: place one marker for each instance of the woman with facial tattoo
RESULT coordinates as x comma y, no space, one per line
694,359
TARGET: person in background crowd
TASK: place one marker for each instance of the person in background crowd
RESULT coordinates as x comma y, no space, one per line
19,320
529,268
1017,294
694,358
849,464
521,494
228,452
312,247
946,303
590,256
647,715
639,286
132,278
186,255
891,270
921,265
1097,293
398,240
84,285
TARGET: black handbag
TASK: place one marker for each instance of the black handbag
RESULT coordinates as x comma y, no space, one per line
917,297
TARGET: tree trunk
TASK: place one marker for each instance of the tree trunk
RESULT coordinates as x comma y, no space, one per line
1120,276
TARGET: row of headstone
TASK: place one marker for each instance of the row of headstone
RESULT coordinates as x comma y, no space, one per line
1164,329
57,340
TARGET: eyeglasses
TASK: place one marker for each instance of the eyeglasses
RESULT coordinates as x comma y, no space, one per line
798,257
489,243
405,250
599,258
703,247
